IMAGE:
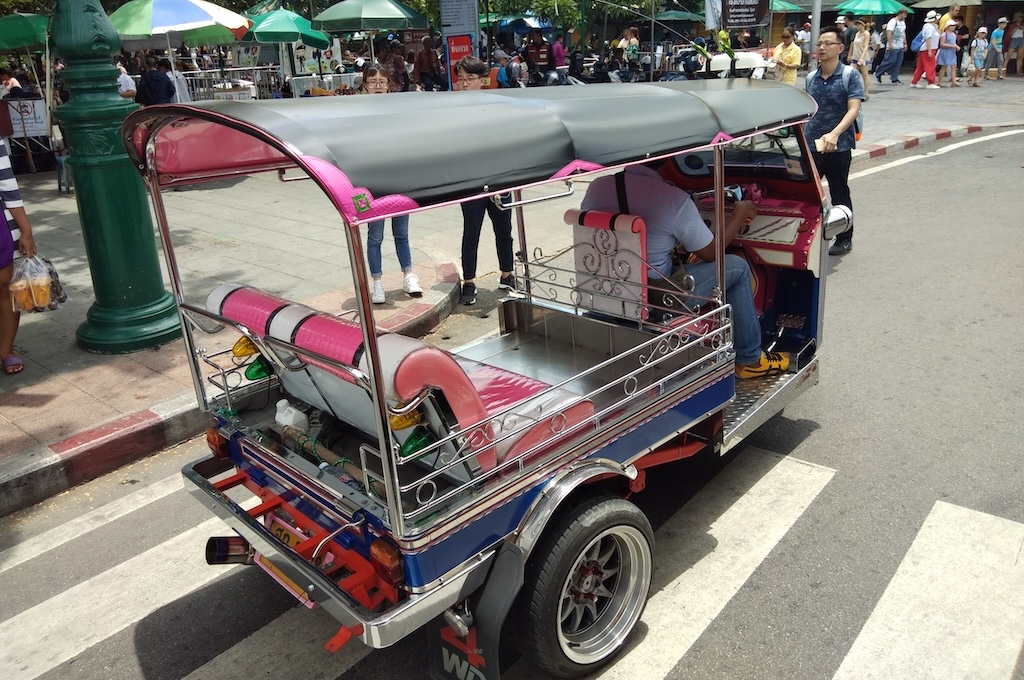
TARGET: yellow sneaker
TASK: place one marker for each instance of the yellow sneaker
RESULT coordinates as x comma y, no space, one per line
772,363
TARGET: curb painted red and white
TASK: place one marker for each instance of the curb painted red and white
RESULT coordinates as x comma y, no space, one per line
866,152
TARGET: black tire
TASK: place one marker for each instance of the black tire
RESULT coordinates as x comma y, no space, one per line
572,619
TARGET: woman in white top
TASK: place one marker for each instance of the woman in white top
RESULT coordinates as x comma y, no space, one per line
859,52
926,55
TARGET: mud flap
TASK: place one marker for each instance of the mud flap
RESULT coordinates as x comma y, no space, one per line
475,656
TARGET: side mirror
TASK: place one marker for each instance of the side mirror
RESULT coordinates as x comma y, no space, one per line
838,219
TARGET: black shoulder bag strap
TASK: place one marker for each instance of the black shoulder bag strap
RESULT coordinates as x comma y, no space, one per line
620,187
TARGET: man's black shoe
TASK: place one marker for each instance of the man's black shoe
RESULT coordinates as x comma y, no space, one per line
841,247
507,282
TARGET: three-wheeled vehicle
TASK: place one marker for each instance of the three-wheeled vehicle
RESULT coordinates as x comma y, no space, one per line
399,485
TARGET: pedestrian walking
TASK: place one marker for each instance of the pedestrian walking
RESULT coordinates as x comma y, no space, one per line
994,58
878,48
947,58
839,96
803,41
787,58
859,47
1013,43
471,73
155,86
927,54
895,47
978,50
13,216
377,80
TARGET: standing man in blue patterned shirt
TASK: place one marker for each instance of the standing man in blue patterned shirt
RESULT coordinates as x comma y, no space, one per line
831,129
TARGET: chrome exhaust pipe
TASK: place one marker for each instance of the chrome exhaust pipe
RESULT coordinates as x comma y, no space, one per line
229,550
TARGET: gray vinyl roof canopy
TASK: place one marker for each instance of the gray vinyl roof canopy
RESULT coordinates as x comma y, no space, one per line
437,146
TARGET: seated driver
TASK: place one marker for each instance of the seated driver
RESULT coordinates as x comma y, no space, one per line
672,220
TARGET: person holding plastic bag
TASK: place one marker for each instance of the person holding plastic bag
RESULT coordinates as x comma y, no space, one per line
12,212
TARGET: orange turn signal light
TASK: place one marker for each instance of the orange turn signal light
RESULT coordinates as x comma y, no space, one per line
243,347
387,560
218,443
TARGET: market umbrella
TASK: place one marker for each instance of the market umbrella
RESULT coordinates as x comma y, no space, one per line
936,4
285,26
871,7
783,6
359,15
678,15
196,22
23,31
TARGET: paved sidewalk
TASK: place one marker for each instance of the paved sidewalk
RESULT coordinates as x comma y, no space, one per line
71,415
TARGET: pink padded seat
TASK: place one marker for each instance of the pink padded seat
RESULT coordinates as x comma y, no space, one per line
477,391
268,315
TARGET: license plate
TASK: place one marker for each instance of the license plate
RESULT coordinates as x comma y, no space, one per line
290,537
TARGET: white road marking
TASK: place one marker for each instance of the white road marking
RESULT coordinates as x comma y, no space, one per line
290,646
94,519
59,629
725,532
937,152
954,608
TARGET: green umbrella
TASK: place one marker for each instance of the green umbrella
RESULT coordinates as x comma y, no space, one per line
285,26
23,31
871,7
360,15
783,6
678,15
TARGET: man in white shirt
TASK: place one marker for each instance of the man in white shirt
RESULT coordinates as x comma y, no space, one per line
803,40
895,46
125,84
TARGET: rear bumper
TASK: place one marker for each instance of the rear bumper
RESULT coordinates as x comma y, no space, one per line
378,630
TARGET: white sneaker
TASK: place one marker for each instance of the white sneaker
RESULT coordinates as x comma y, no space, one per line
377,296
933,87
917,85
411,285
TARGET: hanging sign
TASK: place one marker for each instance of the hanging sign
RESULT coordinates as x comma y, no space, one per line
744,13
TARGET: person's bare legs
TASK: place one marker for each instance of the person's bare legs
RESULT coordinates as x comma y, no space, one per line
9,318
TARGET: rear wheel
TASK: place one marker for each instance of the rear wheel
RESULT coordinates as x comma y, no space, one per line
586,586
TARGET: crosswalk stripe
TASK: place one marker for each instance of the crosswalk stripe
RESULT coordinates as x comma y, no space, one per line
64,626
94,519
742,513
954,608
290,646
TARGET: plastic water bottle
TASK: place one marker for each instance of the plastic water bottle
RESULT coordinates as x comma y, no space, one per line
289,416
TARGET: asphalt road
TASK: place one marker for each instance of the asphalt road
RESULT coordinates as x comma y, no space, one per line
874,529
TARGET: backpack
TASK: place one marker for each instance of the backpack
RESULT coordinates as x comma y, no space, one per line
918,42
858,124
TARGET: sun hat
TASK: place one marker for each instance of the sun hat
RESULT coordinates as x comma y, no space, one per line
931,17
949,23
982,30
1003,20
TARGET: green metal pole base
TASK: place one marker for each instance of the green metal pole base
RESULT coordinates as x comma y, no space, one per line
129,329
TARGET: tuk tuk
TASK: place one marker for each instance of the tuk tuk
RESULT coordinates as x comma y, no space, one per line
398,485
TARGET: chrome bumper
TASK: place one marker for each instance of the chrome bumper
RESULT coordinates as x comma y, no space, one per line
378,630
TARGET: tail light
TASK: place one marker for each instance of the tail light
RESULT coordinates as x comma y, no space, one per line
387,561
218,443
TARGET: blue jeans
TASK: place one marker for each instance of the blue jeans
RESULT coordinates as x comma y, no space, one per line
892,62
738,293
375,237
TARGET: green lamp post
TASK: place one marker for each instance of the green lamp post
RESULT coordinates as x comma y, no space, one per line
132,310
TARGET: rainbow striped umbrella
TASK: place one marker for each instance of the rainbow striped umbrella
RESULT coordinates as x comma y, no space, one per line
195,22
